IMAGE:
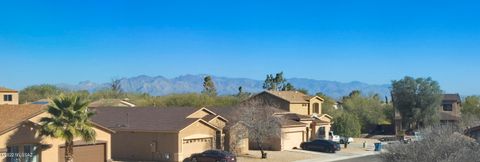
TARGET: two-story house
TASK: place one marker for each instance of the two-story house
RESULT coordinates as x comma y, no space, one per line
450,109
302,114
8,96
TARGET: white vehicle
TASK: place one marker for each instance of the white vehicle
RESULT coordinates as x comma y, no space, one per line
333,137
347,139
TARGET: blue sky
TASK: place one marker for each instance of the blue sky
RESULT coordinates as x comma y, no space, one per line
369,41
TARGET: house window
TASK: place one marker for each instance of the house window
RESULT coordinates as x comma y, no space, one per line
304,105
447,107
316,108
31,153
7,98
321,133
13,154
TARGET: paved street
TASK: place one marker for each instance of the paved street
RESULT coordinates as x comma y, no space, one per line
371,158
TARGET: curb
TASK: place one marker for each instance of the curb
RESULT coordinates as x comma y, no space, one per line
339,158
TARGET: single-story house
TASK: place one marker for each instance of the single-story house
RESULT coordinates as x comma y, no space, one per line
161,134
20,140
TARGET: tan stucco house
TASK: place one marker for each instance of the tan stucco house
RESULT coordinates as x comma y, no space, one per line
449,112
8,96
19,135
302,118
301,108
161,134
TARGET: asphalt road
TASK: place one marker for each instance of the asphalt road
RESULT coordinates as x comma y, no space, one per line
371,158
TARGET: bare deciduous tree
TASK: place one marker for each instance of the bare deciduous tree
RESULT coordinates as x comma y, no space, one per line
440,143
262,125
237,137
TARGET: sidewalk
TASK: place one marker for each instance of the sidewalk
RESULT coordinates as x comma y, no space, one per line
354,150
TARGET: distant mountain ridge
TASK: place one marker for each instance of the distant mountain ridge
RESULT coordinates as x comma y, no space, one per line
160,85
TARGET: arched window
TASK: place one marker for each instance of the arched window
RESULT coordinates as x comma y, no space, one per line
316,108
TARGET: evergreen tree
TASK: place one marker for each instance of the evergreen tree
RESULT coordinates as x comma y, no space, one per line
288,87
209,86
269,83
277,83
240,91
417,100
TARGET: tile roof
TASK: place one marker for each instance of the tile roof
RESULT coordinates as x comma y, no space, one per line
452,97
144,119
111,102
291,123
291,96
295,116
225,112
209,117
230,113
3,89
12,115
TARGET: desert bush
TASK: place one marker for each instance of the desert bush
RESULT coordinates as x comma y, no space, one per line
440,143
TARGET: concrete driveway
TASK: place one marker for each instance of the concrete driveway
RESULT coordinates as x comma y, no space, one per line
354,150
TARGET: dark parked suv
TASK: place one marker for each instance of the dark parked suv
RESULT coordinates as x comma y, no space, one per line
321,145
213,156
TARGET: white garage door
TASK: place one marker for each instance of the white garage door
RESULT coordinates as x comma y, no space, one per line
196,145
292,140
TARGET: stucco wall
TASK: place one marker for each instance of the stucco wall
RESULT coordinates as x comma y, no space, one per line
52,153
456,109
302,109
218,123
145,146
14,98
27,134
319,102
196,130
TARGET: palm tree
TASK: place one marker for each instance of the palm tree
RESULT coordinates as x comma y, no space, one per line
69,118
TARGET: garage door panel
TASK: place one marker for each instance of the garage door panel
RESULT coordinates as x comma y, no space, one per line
197,145
90,153
292,140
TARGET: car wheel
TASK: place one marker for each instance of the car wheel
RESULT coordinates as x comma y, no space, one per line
194,159
332,150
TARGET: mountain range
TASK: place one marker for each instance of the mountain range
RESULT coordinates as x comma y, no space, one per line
160,85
